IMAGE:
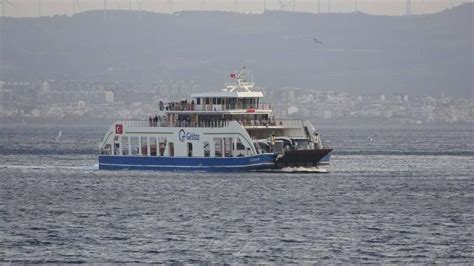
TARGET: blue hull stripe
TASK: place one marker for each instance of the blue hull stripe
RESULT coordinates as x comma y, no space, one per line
262,161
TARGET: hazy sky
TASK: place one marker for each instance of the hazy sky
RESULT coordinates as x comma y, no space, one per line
29,8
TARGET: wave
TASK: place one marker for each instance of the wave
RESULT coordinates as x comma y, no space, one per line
406,153
52,167
47,151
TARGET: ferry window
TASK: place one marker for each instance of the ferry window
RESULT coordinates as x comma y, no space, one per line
171,149
219,100
218,147
207,100
207,149
240,146
162,145
214,100
107,149
125,145
228,147
116,145
153,146
198,101
190,149
117,148
144,148
134,145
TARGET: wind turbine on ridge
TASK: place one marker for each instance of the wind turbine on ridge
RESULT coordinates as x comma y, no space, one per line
75,2
39,8
284,5
140,3
105,9
4,3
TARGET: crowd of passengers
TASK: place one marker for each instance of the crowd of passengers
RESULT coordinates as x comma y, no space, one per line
184,105
157,121
259,122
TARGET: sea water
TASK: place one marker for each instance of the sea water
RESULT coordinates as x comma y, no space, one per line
391,195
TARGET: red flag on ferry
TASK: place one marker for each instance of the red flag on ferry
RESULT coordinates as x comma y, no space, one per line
233,75
118,129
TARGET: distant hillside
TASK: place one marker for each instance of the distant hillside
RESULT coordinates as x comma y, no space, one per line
361,53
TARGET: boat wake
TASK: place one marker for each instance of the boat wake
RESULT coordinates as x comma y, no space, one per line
297,170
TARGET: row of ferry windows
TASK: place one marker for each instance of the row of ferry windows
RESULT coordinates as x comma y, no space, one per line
153,146
230,101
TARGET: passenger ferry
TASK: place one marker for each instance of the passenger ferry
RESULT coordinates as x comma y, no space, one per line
230,130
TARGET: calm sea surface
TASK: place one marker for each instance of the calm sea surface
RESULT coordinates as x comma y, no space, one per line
406,196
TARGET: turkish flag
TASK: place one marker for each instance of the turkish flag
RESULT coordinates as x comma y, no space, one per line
118,129
233,75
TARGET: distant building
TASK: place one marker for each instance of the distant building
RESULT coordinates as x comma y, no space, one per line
291,96
109,97
292,110
44,88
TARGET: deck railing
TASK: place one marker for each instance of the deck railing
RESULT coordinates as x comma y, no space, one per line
283,123
162,123
217,107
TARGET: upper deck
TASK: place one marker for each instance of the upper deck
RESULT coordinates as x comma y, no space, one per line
236,98
213,105
247,124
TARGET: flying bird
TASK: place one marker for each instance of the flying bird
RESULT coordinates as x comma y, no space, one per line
316,41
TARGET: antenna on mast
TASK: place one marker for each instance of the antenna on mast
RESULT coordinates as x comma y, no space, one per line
408,7
202,5
242,82
329,6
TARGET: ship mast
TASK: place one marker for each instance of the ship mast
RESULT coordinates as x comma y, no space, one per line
241,83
